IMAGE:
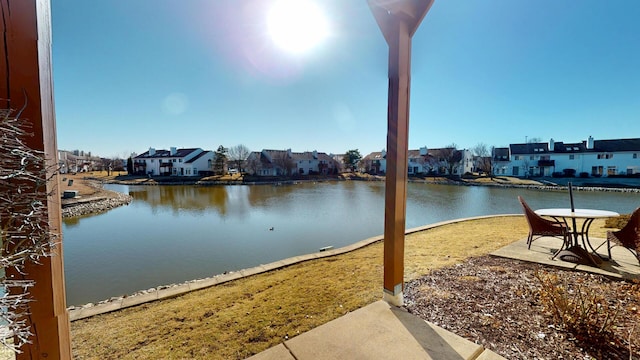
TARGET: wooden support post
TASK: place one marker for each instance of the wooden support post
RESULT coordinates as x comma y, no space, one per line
398,21
26,78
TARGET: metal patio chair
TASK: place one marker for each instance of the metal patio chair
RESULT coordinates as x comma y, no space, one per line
627,237
539,226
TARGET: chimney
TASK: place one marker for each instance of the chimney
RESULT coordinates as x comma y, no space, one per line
315,154
384,153
289,152
173,151
423,151
552,145
590,143
152,151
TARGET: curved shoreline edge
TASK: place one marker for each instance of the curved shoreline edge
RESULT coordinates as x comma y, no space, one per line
174,290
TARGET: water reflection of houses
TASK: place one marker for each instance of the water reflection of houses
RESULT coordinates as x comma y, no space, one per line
229,200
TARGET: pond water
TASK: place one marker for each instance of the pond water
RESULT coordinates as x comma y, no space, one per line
172,234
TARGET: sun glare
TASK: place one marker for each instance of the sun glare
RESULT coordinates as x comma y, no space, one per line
297,26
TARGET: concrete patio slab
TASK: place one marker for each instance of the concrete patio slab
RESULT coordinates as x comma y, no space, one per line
623,265
379,331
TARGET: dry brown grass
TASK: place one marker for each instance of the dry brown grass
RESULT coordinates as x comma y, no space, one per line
84,187
505,180
244,317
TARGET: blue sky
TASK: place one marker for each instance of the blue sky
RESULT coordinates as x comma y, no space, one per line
134,74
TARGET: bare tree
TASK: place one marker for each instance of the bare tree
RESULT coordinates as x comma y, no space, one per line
449,158
237,155
283,160
483,160
253,163
24,229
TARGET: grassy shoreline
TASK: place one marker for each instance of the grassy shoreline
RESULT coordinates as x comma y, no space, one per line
243,317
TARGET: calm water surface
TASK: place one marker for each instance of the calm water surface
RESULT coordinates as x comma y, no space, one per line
171,234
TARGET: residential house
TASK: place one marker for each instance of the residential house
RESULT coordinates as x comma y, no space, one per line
530,159
285,162
586,158
375,162
424,161
77,161
174,162
501,160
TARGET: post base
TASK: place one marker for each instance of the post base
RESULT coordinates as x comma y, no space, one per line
395,300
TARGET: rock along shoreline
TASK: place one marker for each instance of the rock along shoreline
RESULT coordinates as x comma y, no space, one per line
95,205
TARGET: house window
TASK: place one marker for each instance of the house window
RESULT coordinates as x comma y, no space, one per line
605,156
517,157
151,160
179,160
531,157
611,170
571,157
635,155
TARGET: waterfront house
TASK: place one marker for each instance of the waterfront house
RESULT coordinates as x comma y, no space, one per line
424,161
285,162
77,161
617,157
174,162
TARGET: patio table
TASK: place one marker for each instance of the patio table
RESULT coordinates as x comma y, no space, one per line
588,216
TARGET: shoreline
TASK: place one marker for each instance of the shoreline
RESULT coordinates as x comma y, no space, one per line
107,199
102,201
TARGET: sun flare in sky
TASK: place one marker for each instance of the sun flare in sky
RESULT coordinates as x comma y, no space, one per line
297,26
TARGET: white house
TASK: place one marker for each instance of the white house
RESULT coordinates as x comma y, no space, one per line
174,162
587,158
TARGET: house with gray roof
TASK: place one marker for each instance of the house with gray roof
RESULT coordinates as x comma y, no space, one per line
285,162
424,161
589,158
174,162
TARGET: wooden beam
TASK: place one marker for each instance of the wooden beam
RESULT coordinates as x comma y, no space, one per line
398,21
26,79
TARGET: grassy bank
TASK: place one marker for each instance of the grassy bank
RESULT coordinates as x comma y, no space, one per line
241,318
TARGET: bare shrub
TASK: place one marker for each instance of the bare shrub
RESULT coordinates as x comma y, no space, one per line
583,311
24,228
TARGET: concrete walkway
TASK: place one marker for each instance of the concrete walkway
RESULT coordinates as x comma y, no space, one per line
377,331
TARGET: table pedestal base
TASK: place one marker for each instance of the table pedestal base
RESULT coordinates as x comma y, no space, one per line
578,255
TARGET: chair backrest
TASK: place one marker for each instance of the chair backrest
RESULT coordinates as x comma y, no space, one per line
532,218
629,235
